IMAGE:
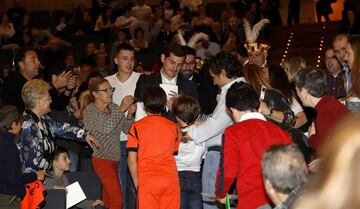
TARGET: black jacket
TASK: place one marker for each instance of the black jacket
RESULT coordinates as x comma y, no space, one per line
13,88
12,180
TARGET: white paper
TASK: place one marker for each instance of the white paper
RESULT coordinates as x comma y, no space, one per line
168,88
74,195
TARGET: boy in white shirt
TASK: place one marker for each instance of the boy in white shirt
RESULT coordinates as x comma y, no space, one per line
189,157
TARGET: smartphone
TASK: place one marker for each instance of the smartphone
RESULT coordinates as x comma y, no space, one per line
73,68
69,68
262,93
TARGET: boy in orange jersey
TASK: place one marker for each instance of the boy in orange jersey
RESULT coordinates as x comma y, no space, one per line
152,142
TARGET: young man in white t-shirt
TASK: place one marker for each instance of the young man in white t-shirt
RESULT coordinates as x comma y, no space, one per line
124,82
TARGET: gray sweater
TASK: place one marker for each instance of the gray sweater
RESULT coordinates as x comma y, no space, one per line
107,128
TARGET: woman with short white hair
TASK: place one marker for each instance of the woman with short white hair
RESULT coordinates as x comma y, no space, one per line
37,137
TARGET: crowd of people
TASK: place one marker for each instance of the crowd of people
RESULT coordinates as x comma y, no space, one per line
211,109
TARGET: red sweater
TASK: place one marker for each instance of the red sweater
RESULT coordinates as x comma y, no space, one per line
244,144
329,113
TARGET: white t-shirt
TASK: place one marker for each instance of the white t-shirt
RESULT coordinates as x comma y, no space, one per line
295,106
189,156
122,90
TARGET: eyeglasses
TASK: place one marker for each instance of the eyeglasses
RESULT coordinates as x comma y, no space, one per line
109,90
189,63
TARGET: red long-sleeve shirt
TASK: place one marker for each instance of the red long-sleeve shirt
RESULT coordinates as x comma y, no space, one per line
244,144
329,113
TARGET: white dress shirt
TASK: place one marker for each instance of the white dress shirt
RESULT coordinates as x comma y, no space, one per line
212,129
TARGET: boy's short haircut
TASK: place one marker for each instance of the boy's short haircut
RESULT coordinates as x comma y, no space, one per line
313,80
154,99
8,115
125,47
186,108
58,151
243,97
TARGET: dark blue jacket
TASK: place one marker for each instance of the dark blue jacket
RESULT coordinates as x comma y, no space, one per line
12,181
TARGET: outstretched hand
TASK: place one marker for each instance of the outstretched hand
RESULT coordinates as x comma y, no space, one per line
92,140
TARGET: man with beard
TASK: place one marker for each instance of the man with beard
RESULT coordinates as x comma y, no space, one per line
335,75
202,79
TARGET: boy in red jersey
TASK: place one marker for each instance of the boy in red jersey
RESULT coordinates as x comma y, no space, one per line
243,146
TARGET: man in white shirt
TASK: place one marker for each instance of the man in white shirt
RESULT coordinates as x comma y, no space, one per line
169,78
224,71
124,82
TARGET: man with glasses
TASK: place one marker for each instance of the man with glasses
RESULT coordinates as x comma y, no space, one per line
188,69
169,78
201,79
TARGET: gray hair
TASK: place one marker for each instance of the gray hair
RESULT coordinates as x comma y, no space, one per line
34,90
284,166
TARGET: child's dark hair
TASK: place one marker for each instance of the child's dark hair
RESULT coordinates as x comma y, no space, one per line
8,115
58,151
243,97
154,99
186,108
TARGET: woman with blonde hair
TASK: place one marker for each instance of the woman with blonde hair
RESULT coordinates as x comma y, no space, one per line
106,120
336,184
292,65
352,56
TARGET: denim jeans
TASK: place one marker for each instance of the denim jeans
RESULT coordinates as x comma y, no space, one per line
127,186
210,168
190,187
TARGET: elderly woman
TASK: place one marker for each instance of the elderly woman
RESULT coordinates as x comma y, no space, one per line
106,120
37,137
